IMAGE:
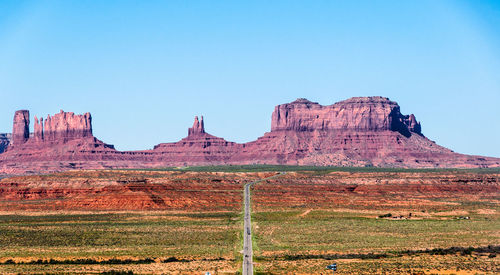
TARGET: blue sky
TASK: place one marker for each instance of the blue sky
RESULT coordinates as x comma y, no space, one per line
144,69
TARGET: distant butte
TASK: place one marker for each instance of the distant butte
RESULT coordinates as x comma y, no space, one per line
360,131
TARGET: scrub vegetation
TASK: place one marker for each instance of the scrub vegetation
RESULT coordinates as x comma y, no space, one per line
186,221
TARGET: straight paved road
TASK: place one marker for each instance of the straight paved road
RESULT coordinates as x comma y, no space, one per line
247,229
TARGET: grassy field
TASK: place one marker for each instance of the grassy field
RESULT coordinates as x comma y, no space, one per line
307,241
290,233
153,241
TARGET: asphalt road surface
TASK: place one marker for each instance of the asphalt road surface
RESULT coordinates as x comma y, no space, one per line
247,233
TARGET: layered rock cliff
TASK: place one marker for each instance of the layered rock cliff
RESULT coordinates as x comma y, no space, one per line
66,126
361,131
59,128
356,114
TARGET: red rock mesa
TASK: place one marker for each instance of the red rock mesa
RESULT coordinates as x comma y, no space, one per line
361,131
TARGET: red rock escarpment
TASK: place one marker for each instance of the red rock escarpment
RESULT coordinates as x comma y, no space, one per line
369,131
120,190
63,127
63,137
135,190
361,131
359,114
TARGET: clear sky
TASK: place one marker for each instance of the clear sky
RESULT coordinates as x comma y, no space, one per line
144,69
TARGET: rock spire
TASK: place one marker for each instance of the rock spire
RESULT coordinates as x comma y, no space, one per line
198,127
21,128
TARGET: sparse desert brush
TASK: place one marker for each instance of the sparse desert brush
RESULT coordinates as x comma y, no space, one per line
302,221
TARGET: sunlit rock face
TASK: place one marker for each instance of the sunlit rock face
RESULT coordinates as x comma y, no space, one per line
20,129
198,127
360,131
355,114
64,126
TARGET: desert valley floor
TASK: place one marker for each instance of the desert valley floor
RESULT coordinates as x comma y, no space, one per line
189,221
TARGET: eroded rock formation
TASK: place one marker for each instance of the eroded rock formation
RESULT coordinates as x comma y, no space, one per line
66,126
38,134
58,143
21,128
360,114
198,148
361,131
198,127
59,128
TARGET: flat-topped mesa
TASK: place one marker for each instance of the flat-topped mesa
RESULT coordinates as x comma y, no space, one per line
21,127
354,114
198,127
361,131
66,126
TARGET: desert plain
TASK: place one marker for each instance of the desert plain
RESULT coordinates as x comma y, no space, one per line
190,221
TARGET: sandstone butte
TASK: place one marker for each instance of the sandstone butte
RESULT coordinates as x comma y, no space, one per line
360,131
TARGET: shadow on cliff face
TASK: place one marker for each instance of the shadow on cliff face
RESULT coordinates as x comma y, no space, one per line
404,124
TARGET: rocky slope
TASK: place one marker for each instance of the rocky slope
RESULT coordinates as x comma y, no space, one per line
361,131
198,148
4,141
